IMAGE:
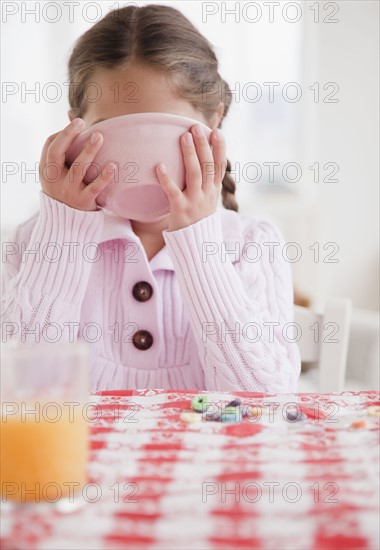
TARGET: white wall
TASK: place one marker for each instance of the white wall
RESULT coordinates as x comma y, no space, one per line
347,133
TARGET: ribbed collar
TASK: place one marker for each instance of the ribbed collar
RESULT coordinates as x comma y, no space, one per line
115,227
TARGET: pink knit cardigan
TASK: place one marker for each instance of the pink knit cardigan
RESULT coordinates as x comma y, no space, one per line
220,313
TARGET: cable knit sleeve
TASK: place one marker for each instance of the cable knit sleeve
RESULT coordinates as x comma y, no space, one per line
241,312
46,267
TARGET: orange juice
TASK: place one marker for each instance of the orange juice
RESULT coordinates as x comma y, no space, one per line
42,460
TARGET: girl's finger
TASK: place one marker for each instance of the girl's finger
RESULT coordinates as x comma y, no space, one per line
44,168
192,167
47,143
204,153
96,187
59,145
173,192
219,152
82,163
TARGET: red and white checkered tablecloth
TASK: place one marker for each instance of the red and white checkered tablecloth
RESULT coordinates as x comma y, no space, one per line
156,482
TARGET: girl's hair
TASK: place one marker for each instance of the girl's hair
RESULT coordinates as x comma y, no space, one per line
160,37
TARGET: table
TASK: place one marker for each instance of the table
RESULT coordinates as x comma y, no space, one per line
266,483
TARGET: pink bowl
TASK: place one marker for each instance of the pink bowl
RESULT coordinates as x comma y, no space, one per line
137,143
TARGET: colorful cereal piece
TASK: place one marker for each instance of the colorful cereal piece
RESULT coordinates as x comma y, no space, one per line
245,410
373,411
214,415
258,411
294,415
190,417
231,414
234,403
359,424
200,402
255,411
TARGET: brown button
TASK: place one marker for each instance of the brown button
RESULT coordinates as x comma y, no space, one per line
142,291
142,339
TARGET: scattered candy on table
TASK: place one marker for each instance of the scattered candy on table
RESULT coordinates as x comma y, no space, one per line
212,411
235,411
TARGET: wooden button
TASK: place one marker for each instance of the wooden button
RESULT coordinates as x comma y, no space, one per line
142,291
142,339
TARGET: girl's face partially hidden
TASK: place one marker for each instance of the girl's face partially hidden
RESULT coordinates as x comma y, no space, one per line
136,89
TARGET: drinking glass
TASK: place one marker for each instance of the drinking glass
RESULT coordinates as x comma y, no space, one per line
44,442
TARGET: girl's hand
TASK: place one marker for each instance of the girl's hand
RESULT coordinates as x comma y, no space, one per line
66,184
205,169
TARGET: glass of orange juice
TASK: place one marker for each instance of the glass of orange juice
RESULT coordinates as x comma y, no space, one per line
44,438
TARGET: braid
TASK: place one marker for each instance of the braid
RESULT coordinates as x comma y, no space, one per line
228,190
228,183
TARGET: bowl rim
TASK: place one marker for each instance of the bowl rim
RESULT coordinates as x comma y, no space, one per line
151,117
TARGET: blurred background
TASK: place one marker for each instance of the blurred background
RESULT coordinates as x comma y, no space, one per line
302,132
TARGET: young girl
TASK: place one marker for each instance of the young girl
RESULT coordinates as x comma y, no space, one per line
206,302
